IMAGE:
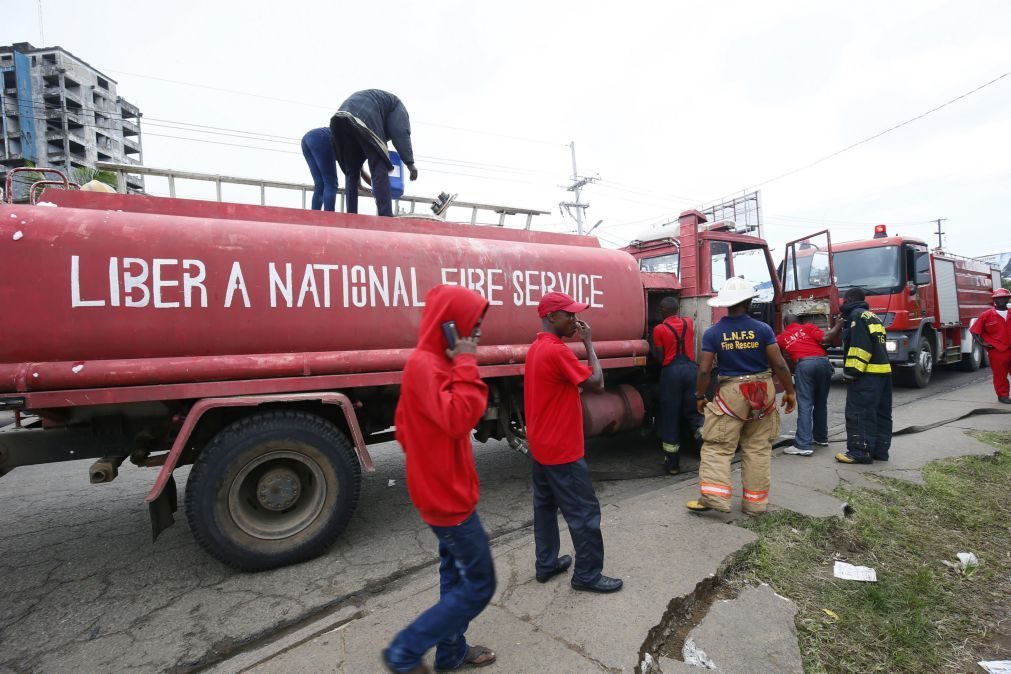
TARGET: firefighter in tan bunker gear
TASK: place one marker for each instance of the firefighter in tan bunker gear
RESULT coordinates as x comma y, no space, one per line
743,411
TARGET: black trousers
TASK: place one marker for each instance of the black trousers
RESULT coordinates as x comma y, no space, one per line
567,487
869,416
679,416
353,152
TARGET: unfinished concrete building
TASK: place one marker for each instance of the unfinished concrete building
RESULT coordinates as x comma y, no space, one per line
58,111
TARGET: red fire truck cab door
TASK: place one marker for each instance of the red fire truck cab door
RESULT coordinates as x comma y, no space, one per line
807,275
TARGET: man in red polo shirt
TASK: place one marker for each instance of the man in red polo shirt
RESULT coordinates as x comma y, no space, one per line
561,478
993,330
812,377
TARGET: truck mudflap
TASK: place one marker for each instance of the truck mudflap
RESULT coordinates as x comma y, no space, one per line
162,499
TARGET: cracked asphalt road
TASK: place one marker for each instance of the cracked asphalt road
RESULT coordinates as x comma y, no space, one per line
84,588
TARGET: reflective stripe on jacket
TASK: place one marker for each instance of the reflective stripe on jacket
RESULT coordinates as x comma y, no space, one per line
865,345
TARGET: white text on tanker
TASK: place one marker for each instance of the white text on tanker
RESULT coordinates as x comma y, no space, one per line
169,283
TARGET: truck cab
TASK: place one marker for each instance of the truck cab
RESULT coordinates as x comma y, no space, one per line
693,258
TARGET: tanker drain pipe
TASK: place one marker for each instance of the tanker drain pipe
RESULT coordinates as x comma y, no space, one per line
105,469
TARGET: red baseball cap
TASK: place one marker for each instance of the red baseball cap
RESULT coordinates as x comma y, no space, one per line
556,301
1000,292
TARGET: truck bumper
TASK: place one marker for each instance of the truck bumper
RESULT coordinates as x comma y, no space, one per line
897,344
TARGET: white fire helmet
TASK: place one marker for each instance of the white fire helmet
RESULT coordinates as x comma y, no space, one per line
734,291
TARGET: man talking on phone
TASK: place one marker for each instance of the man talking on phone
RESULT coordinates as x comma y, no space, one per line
561,478
442,397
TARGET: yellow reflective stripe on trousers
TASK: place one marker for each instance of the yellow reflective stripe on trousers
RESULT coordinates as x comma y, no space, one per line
857,352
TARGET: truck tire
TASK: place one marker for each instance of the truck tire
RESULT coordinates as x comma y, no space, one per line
918,374
272,489
973,360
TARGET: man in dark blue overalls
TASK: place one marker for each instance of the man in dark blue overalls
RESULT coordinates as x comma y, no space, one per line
674,349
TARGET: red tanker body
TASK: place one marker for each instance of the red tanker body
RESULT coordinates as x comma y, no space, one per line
265,345
134,299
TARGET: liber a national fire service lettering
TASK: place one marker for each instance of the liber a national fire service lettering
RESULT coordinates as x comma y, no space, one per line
164,283
736,340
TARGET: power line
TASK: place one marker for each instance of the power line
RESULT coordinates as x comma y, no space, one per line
252,136
873,137
277,99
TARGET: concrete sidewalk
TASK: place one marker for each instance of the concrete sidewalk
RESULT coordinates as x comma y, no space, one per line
666,556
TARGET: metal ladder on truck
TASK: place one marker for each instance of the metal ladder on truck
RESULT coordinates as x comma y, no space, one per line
412,203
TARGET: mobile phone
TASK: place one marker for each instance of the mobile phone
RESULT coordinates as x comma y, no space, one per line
450,333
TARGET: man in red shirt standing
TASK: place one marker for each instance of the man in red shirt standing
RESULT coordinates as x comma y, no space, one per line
993,329
442,397
812,376
561,478
674,349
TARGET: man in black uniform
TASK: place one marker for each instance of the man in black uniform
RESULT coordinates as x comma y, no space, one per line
869,378
360,130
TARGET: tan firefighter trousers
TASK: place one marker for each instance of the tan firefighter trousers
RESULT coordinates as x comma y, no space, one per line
721,435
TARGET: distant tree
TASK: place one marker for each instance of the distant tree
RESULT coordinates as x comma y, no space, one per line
83,175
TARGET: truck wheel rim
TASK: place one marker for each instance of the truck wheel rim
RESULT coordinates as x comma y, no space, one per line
277,495
926,362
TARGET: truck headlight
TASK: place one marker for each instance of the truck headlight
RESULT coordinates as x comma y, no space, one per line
891,346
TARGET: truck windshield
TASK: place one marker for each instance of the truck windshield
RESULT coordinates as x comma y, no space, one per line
753,266
876,270
661,263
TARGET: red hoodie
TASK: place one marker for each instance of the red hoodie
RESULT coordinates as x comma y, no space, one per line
441,400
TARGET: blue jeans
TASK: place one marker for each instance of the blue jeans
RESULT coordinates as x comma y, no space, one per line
319,155
812,378
567,487
466,585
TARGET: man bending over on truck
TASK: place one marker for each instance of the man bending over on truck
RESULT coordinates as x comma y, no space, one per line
442,397
360,130
674,349
744,408
561,478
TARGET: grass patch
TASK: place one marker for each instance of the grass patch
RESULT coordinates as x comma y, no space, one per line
920,616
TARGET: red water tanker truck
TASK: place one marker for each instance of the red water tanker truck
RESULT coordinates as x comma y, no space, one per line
264,345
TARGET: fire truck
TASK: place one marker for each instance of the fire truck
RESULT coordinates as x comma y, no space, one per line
926,298
264,345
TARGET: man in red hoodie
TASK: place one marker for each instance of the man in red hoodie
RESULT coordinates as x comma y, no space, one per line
561,479
442,397
993,330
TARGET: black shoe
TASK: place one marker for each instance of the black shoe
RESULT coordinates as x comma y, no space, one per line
1005,400
881,458
561,566
603,585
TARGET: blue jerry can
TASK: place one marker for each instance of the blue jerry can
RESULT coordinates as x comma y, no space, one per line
396,175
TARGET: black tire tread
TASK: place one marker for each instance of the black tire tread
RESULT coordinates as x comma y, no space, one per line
257,422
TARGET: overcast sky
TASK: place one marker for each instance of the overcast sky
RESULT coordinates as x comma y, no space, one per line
674,105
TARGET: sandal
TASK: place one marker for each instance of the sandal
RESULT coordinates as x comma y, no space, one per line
477,656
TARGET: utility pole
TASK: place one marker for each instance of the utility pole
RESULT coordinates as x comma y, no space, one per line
577,185
42,32
939,232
